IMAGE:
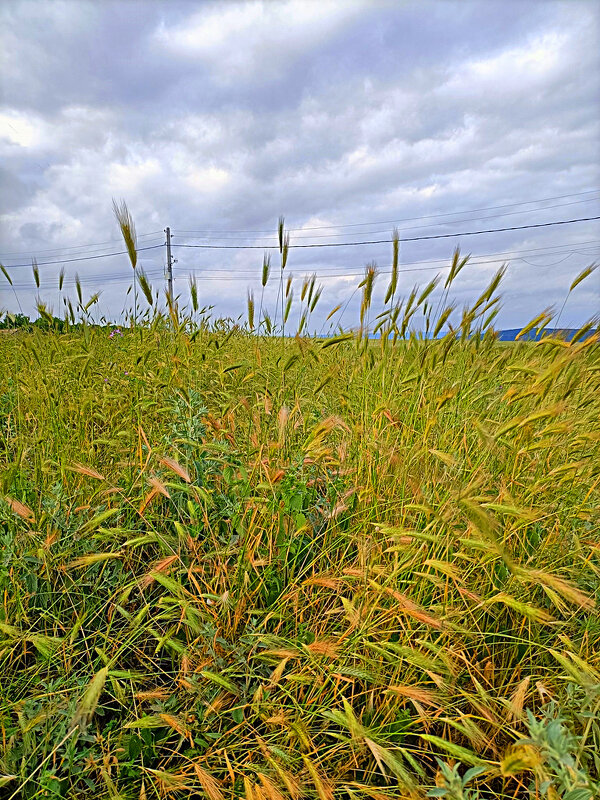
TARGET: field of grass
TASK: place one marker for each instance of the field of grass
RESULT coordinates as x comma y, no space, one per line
241,566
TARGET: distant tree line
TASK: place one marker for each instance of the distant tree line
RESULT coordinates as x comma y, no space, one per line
22,322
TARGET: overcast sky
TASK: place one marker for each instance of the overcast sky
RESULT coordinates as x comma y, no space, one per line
214,118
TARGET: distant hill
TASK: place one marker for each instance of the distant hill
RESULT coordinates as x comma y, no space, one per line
511,334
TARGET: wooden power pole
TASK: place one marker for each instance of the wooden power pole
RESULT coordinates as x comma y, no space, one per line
169,267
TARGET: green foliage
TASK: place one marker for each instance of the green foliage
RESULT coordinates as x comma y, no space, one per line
23,322
560,750
238,565
454,786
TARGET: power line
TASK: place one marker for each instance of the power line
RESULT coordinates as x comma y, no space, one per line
387,241
408,228
319,245
387,270
90,280
554,263
380,271
474,260
409,219
514,254
257,277
320,271
327,227
33,253
590,243
86,258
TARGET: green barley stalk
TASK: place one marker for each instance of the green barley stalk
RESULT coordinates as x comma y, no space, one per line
391,292
266,270
127,228
368,283
250,310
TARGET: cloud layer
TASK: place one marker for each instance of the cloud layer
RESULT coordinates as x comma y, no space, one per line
215,118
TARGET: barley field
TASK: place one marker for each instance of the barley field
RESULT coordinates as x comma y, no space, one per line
237,564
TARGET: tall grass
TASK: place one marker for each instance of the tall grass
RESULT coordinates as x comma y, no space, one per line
353,568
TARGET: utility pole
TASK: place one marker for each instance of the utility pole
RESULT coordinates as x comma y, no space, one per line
169,267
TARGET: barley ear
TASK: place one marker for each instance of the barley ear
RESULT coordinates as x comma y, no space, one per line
89,701
582,276
194,293
145,287
266,268
127,227
251,310
5,273
394,279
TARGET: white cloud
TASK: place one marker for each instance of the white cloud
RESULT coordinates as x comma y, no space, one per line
523,73
255,40
125,178
537,59
17,129
208,179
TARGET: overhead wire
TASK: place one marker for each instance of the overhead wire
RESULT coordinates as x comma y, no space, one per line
380,271
510,254
318,245
85,258
387,270
507,252
389,241
358,270
408,228
38,252
90,280
34,253
214,274
449,222
410,219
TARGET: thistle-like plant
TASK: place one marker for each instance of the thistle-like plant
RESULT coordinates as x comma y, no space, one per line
455,786
559,747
